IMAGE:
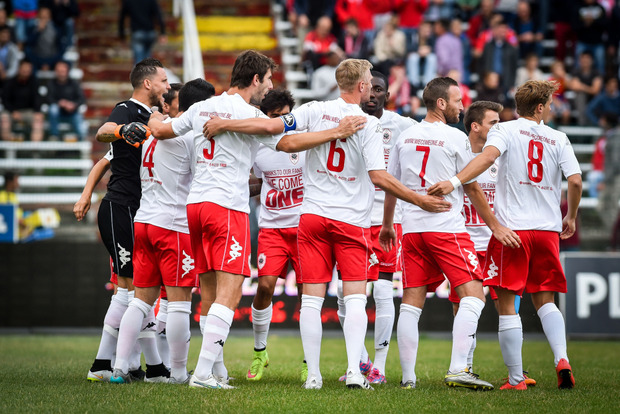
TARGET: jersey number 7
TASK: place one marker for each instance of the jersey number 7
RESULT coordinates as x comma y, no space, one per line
426,150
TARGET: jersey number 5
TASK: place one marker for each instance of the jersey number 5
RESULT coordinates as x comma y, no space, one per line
148,157
535,159
330,158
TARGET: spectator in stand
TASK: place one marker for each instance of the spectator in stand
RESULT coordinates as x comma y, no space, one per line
480,21
4,21
411,13
608,101
465,91
142,18
530,35
353,42
500,56
586,82
487,36
490,89
359,11
305,14
399,89
422,63
456,27
449,49
564,33
390,47
529,71
22,103
65,96
560,107
318,43
441,10
324,85
610,191
508,9
467,8
43,44
9,55
25,15
613,41
596,176
64,13
590,23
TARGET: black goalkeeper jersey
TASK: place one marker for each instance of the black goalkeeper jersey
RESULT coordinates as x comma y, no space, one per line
124,185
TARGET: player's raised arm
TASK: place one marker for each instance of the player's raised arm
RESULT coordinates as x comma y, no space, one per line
250,126
304,141
159,128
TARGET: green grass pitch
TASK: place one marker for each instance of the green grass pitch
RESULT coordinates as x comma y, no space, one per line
40,373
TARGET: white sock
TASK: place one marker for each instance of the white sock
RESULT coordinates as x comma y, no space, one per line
178,337
408,338
311,330
130,327
111,323
136,354
147,339
470,356
555,331
260,325
203,320
464,331
219,369
342,312
354,328
160,329
217,327
383,292
510,334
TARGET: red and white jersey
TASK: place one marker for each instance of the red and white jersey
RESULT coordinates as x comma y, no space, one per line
529,183
222,163
282,191
425,154
165,175
392,124
479,232
337,185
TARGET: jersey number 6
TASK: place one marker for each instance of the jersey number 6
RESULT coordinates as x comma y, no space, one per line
330,158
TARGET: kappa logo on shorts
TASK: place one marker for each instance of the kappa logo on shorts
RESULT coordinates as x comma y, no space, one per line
235,250
124,255
261,260
373,260
492,272
188,264
473,259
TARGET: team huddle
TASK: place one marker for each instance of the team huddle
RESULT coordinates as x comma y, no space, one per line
343,184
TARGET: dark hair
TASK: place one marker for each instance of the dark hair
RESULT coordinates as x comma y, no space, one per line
143,70
194,91
477,111
277,99
445,23
377,74
435,89
588,53
172,93
611,119
9,176
248,64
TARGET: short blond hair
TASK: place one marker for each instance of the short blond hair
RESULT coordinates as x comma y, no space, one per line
532,93
350,72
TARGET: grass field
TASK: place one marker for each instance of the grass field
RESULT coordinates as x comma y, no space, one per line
42,373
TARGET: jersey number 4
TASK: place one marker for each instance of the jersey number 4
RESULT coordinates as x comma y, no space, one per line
535,159
331,163
148,162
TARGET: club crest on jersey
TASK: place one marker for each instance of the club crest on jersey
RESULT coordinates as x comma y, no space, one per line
493,170
261,260
288,119
387,135
294,157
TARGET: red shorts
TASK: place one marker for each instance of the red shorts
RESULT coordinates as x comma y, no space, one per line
162,257
428,256
276,248
534,267
388,261
220,238
454,298
322,242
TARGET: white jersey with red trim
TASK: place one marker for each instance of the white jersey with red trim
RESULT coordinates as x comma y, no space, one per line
222,163
282,191
529,184
165,174
337,184
425,154
479,232
392,124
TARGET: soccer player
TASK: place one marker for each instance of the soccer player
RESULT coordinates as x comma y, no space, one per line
118,207
437,244
281,196
532,158
218,200
163,251
383,274
335,214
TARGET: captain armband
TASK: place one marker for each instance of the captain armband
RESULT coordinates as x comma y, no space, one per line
290,124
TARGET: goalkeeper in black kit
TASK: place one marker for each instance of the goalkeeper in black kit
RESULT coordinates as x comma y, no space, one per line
125,129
